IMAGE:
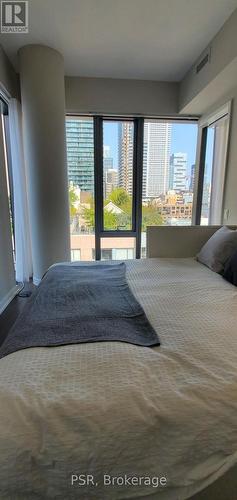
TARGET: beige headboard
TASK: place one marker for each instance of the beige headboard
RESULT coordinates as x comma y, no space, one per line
177,241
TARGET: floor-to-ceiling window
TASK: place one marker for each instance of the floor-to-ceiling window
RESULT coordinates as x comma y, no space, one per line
129,173
213,133
4,127
80,161
169,153
214,171
118,138
207,179
118,189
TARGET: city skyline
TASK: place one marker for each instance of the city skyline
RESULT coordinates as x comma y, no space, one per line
183,140
162,154
178,178
156,158
169,152
180,141
80,153
162,170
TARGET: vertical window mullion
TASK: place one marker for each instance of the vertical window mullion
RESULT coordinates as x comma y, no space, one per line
98,176
137,183
134,187
9,163
200,180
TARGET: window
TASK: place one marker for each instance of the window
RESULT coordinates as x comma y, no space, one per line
80,163
106,254
123,253
117,248
118,146
214,131
206,193
129,173
169,150
116,195
117,253
8,170
75,254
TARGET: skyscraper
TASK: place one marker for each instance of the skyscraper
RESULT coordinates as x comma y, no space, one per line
144,176
178,172
108,160
125,156
110,176
111,181
192,177
80,153
156,156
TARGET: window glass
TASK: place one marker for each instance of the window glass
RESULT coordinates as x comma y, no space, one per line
75,254
106,254
118,139
206,193
8,169
169,152
214,172
80,163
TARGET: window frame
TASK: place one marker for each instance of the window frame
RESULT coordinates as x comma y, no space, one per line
204,122
137,184
4,115
138,121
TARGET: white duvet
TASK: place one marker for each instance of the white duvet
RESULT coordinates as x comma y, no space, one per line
125,411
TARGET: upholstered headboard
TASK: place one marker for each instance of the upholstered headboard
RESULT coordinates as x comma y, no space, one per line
178,241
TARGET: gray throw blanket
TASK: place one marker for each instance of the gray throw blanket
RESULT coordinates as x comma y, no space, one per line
85,303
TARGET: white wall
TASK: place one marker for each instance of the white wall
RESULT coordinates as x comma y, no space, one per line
223,53
230,194
114,96
230,190
215,85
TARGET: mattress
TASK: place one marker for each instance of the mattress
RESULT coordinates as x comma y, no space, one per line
115,410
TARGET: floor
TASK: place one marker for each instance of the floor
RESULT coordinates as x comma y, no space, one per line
9,316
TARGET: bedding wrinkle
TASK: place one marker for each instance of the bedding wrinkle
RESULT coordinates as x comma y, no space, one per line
76,304
118,408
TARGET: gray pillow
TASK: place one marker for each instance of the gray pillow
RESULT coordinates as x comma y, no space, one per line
218,249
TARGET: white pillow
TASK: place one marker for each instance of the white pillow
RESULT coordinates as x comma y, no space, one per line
218,249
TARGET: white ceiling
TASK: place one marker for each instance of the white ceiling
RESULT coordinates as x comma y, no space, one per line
143,39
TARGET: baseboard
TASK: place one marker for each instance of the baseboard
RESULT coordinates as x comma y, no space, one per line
36,281
8,298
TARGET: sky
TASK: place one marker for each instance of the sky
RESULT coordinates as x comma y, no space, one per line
110,135
183,140
209,153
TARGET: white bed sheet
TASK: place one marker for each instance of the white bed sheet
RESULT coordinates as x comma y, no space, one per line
115,408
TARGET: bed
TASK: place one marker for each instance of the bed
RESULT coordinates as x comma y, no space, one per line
123,410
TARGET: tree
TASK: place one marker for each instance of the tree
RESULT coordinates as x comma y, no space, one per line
119,197
124,220
151,216
110,219
73,198
89,217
